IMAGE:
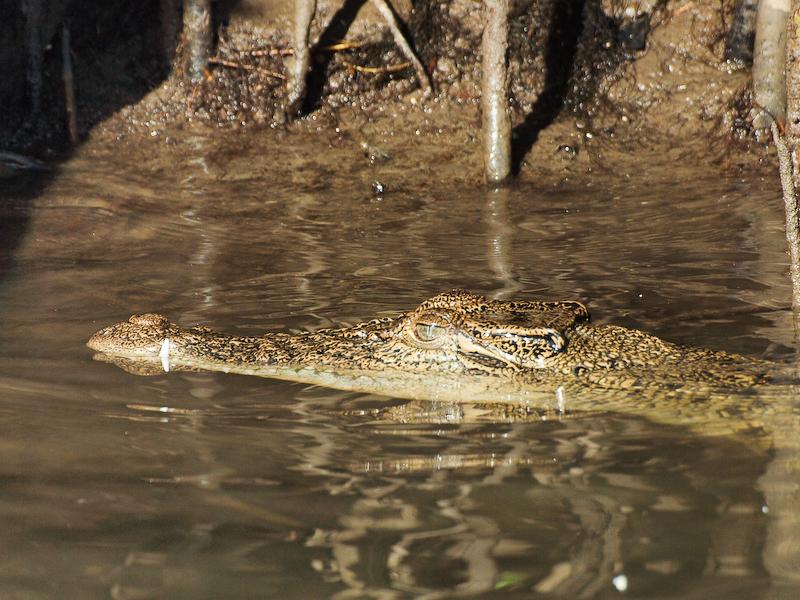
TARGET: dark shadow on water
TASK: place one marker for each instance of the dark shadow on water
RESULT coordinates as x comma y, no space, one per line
117,55
17,194
565,32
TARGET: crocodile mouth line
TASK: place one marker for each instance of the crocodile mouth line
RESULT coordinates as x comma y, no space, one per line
487,360
484,355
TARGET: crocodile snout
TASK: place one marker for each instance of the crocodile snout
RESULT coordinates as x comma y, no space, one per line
140,335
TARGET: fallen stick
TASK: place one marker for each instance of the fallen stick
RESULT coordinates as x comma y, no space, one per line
269,52
232,64
377,70
343,45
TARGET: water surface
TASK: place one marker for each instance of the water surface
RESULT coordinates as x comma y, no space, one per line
196,485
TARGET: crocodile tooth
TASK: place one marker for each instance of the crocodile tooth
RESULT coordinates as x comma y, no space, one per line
163,354
560,399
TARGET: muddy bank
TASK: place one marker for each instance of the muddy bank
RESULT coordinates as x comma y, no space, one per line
591,83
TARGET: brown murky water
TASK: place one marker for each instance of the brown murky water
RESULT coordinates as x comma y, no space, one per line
193,485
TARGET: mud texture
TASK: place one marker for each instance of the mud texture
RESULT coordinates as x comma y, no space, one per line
590,82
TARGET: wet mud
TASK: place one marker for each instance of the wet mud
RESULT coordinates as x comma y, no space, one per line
608,80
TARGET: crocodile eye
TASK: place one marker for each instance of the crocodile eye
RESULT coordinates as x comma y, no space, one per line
427,332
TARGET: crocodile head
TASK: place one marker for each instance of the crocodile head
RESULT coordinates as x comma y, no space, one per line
139,336
454,332
459,330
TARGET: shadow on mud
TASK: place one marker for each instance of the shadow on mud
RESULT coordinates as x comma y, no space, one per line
562,47
335,32
117,51
118,55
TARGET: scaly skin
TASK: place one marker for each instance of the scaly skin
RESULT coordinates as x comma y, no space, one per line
447,342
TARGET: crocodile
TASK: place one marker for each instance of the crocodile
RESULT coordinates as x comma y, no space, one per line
466,358
456,346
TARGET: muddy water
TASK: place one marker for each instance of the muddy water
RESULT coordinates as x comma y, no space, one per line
194,485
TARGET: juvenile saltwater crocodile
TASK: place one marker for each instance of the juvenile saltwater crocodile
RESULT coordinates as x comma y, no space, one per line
490,360
454,346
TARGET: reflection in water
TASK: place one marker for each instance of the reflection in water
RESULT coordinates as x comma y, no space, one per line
500,235
205,485
781,486
781,481
562,484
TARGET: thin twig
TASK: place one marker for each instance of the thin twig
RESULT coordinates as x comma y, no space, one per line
215,60
377,70
685,8
269,52
337,47
343,45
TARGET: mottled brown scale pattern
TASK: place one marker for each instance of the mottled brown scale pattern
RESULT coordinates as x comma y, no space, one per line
457,334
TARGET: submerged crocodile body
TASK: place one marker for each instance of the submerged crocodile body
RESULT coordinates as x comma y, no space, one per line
454,346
